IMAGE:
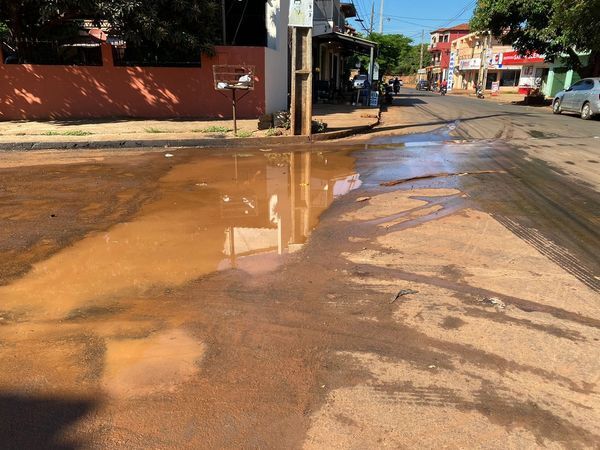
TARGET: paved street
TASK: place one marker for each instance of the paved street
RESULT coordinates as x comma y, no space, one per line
435,283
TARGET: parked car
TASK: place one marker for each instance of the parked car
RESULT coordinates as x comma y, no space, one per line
361,82
582,98
422,85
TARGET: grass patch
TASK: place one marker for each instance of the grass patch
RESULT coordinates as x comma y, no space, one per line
274,132
244,133
67,133
154,130
216,129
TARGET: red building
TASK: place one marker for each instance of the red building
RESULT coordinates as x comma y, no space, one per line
441,39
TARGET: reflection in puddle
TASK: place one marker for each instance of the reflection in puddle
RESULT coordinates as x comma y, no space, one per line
212,212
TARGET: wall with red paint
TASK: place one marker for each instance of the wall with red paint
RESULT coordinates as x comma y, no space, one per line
75,92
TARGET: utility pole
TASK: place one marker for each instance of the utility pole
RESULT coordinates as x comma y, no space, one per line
302,84
381,17
371,54
421,57
483,65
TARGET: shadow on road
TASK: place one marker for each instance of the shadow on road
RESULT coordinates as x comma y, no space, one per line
38,423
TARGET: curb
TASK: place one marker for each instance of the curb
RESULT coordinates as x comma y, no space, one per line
170,143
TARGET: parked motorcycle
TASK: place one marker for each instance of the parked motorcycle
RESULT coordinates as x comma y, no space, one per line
443,90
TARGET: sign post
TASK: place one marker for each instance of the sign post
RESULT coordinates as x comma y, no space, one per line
301,22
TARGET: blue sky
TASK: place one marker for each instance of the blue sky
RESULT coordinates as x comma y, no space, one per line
409,17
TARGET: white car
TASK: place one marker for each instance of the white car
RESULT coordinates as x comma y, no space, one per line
361,82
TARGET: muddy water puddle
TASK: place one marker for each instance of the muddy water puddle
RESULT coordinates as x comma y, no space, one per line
101,315
236,210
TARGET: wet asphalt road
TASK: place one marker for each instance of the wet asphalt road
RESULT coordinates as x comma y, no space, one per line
224,300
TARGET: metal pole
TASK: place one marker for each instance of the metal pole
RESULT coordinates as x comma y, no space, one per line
223,22
381,17
372,18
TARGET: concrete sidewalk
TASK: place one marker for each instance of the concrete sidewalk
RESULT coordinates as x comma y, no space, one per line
341,120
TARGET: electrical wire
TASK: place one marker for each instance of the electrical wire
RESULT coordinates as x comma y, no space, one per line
239,23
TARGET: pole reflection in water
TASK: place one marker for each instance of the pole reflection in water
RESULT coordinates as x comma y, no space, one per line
278,201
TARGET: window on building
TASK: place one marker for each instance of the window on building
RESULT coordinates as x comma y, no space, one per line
509,78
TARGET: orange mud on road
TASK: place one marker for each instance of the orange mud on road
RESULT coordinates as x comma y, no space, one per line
246,300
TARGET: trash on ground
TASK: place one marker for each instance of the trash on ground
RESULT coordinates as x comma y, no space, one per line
169,155
431,366
493,301
363,199
402,293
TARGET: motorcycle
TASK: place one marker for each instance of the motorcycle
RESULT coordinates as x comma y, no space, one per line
443,90
479,91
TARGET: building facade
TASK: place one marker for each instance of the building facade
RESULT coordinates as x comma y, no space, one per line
439,48
468,52
334,42
505,66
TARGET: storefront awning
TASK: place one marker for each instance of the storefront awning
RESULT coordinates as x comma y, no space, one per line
348,43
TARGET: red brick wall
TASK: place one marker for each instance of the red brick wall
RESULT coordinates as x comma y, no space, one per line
70,92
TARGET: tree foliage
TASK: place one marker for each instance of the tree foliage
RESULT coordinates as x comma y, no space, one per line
397,54
549,27
175,24
169,25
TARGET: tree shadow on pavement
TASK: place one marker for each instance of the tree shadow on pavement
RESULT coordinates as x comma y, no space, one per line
38,422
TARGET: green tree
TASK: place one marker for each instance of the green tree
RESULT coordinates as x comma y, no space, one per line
551,27
165,25
397,55
155,26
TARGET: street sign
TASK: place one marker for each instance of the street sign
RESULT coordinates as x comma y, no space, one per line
375,71
301,13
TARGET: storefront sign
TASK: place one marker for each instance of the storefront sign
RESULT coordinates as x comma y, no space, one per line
469,64
451,71
495,61
301,13
515,59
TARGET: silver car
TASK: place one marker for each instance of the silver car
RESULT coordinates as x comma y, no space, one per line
582,98
361,82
